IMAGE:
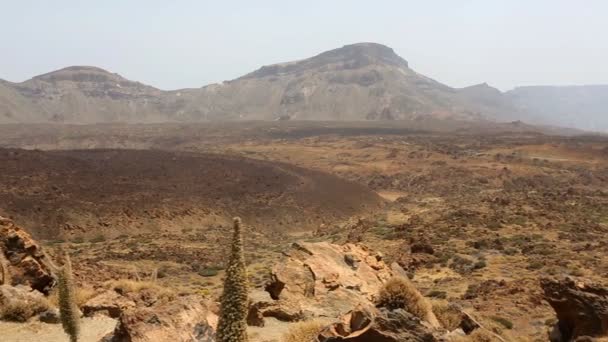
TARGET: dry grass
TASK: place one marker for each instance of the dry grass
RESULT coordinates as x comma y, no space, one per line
449,317
305,331
83,294
400,293
478,335
125,286
22,310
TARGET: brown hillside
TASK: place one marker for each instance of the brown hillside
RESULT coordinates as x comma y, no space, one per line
73,193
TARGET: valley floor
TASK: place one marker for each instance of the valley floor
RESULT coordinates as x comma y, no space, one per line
476,219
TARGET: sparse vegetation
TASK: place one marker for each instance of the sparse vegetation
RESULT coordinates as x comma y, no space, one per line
232,325
528,220
98,238
478,335
124,286
83,294
449,317
305,331
502,321
400,293
209,271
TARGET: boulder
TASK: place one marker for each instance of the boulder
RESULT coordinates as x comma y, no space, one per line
365,325
20,303
50,316
320,280
109,303
27,263
581,308
183,319
262,305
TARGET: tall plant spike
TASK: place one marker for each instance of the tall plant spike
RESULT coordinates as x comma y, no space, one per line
68,310
232,325
5,275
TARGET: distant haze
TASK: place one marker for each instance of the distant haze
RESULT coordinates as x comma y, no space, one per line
181,44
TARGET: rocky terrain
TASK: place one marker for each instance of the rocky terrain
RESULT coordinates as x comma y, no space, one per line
498,228
87,193
364,81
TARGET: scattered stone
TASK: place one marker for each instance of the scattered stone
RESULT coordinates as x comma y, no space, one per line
50,316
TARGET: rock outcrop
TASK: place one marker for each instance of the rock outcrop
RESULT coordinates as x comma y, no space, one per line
20,303
581,308
26,262
364,325
181,320
109,303
323,279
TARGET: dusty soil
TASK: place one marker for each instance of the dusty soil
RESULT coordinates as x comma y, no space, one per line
475,216
85,193
93,329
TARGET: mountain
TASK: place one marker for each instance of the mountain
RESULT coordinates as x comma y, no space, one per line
79,94
356,82
364,81
584,107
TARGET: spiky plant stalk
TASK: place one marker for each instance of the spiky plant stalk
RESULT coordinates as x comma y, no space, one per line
232,325
5,275
68,310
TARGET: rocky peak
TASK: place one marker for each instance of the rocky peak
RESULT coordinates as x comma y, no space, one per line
80,74
364,52
348,57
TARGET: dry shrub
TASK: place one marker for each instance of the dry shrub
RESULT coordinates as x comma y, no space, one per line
478,335
83,294
400,293
22,310
448,315
125,286
306,331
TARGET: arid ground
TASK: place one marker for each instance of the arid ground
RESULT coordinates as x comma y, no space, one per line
475,215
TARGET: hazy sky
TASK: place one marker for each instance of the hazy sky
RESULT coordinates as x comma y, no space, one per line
179,44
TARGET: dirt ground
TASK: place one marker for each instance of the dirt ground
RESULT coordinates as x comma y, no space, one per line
475,217
92,329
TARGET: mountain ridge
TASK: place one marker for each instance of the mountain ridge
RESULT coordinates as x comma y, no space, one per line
363,81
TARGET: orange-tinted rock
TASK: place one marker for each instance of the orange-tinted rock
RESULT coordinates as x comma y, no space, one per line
320,280
27,263
184,319
370,325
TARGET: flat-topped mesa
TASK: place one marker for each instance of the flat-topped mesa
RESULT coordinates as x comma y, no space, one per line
352,56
